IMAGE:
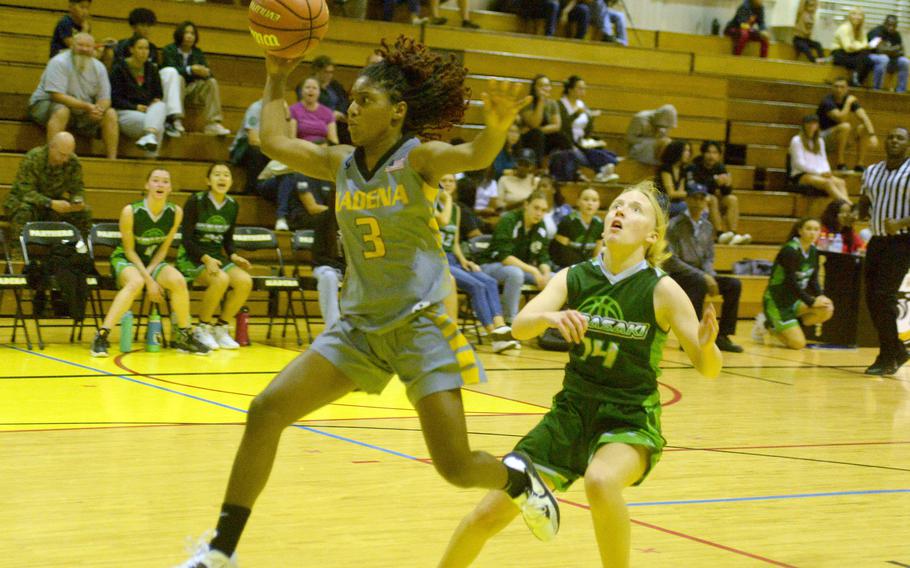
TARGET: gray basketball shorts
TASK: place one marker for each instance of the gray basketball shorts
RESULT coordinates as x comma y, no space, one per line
429,354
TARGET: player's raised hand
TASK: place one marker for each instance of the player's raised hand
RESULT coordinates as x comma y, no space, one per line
501,103
275,65
707,328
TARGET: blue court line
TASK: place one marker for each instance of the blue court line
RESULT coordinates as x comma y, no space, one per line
771,497
212,402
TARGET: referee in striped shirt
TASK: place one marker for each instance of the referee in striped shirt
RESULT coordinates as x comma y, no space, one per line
886,201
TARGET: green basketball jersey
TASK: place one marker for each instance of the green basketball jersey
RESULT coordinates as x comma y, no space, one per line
149,231
575,229
212,222
619,357
395,263
449,229
777,290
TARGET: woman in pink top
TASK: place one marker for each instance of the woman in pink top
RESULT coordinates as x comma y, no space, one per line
315,122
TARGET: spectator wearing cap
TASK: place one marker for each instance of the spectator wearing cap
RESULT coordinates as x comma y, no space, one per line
515,188
690,237
649,133
809,162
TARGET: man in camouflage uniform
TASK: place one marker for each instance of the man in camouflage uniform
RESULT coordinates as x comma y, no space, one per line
48,187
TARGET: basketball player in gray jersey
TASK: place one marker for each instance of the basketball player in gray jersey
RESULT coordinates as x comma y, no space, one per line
392,321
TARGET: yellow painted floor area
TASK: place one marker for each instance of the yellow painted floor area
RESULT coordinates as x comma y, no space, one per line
788,459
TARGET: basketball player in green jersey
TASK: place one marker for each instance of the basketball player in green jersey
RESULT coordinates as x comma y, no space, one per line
206,257
604,425
147,228
392,319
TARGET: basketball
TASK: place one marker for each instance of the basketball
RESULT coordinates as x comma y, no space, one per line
288,28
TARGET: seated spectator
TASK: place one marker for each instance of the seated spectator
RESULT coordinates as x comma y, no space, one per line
577,123
851,48
888,43
723,207
48,187
388,11
482,289
802,33
316,197
671,175
246,150
748,24
505,160
485,191
75,92
580,233
545,10
793,296
839,217
279,185
136,94
78,20
142,20
841,118
648,134
193,83
809,162
514,189
519,253
690,237
576,17
463,8
540,121
315,121
333,95
609,24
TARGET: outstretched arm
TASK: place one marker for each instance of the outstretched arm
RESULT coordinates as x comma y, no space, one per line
674,311
500,106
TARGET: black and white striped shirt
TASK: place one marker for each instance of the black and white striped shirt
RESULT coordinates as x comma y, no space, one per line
889,192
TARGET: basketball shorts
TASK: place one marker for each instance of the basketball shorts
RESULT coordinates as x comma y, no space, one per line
564,442
429,354
119,262
191,270
781,318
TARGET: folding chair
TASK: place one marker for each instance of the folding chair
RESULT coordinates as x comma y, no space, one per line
103,238
254,239
302,242
10,280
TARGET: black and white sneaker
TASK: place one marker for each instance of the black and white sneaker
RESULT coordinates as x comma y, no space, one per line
100,345
187,343
538,505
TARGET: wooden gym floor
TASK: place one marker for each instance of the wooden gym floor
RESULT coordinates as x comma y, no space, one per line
788,459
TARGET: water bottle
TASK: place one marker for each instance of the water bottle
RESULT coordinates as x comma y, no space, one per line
822,241
837,245
243,322
153,334
126,332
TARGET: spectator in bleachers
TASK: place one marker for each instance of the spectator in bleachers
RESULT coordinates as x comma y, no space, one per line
245,150
463,8
515,188
75,92
576,17
206,257
793,296
48,187
333,95
142,20
540,121
671,176
708,170
690,237
315,121
519,252
648,134
136,94
851,48
546,10
802,33
388,11
505,160
839,217
609,24
481,288
579,235
578,123
193,82
280,185
78,20
486,193
809,162
748,24
841,118
888,42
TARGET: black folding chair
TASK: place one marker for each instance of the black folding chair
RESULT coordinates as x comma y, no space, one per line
254,239
302,242
103,238
10,280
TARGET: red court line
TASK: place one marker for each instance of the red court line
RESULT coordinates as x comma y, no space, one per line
694,538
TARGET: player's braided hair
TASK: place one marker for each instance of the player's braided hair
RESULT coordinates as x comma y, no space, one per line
432,86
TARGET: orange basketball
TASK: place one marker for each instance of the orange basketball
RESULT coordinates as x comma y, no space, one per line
288,28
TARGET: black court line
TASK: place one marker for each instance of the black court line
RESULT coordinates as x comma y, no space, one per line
189,373
798,458
844,368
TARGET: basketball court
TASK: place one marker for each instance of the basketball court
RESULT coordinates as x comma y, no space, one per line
788,459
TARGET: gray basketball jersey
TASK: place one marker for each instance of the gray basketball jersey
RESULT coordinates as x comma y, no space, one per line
395,263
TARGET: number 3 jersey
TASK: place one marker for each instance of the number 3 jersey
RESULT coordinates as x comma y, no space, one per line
619,357
395,262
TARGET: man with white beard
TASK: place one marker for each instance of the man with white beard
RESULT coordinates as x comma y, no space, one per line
74,93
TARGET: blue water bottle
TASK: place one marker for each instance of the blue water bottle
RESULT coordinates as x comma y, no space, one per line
153,334
126,332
